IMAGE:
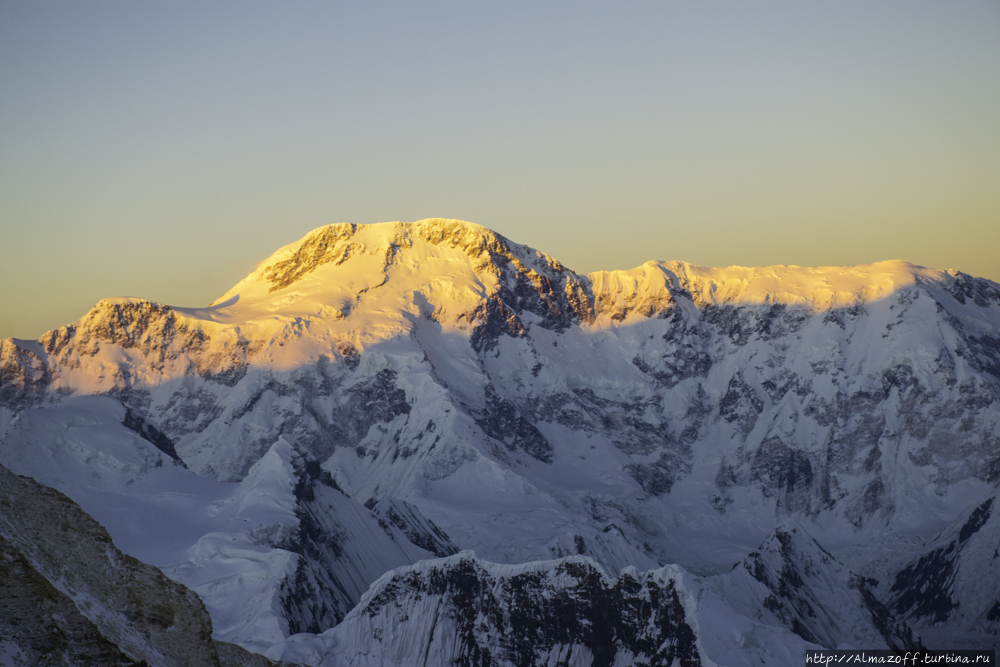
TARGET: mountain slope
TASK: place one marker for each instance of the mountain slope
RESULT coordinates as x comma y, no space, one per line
462,611
71,597
949,591
450,389
787,596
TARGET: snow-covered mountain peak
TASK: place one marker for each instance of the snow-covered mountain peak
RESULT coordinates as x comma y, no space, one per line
373,395
378,278
370,283
309,266
413,244
820,288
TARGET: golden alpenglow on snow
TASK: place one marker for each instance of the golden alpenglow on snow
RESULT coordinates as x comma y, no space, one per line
426,444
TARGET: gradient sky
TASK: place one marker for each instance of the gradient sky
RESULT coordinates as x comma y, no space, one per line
162,149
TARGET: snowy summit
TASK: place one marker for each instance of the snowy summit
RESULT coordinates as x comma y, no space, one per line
422,443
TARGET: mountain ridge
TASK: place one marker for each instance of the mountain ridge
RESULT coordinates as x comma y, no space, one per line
436,387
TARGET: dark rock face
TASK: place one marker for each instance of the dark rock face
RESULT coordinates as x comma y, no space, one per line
68,597
741,324
330,244
315,599
24,376
44,624
741,404
146,615
420,530
980,292
125,324
547,289
984,352
336,540
685,352
898,635
502,421
524,615
493,318
654,478
977,520
151,434
781,468
377,400
806,584
924,590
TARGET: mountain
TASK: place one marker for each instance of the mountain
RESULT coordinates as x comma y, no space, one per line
950,590
71,598
374,399
785,597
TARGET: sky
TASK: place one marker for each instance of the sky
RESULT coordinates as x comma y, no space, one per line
162,150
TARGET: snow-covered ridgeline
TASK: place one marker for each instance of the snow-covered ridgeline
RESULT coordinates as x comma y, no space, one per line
784,598
670,413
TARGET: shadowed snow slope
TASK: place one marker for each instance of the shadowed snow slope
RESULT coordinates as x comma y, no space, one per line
950,590
403,390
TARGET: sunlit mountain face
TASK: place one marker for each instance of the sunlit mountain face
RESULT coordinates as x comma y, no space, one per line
425,444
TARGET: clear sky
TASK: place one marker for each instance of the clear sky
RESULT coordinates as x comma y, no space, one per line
162,149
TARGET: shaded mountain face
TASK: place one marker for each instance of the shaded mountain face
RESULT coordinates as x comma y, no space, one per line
41,626
812,594
402,391
69,597
783,598
462,611
949,590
